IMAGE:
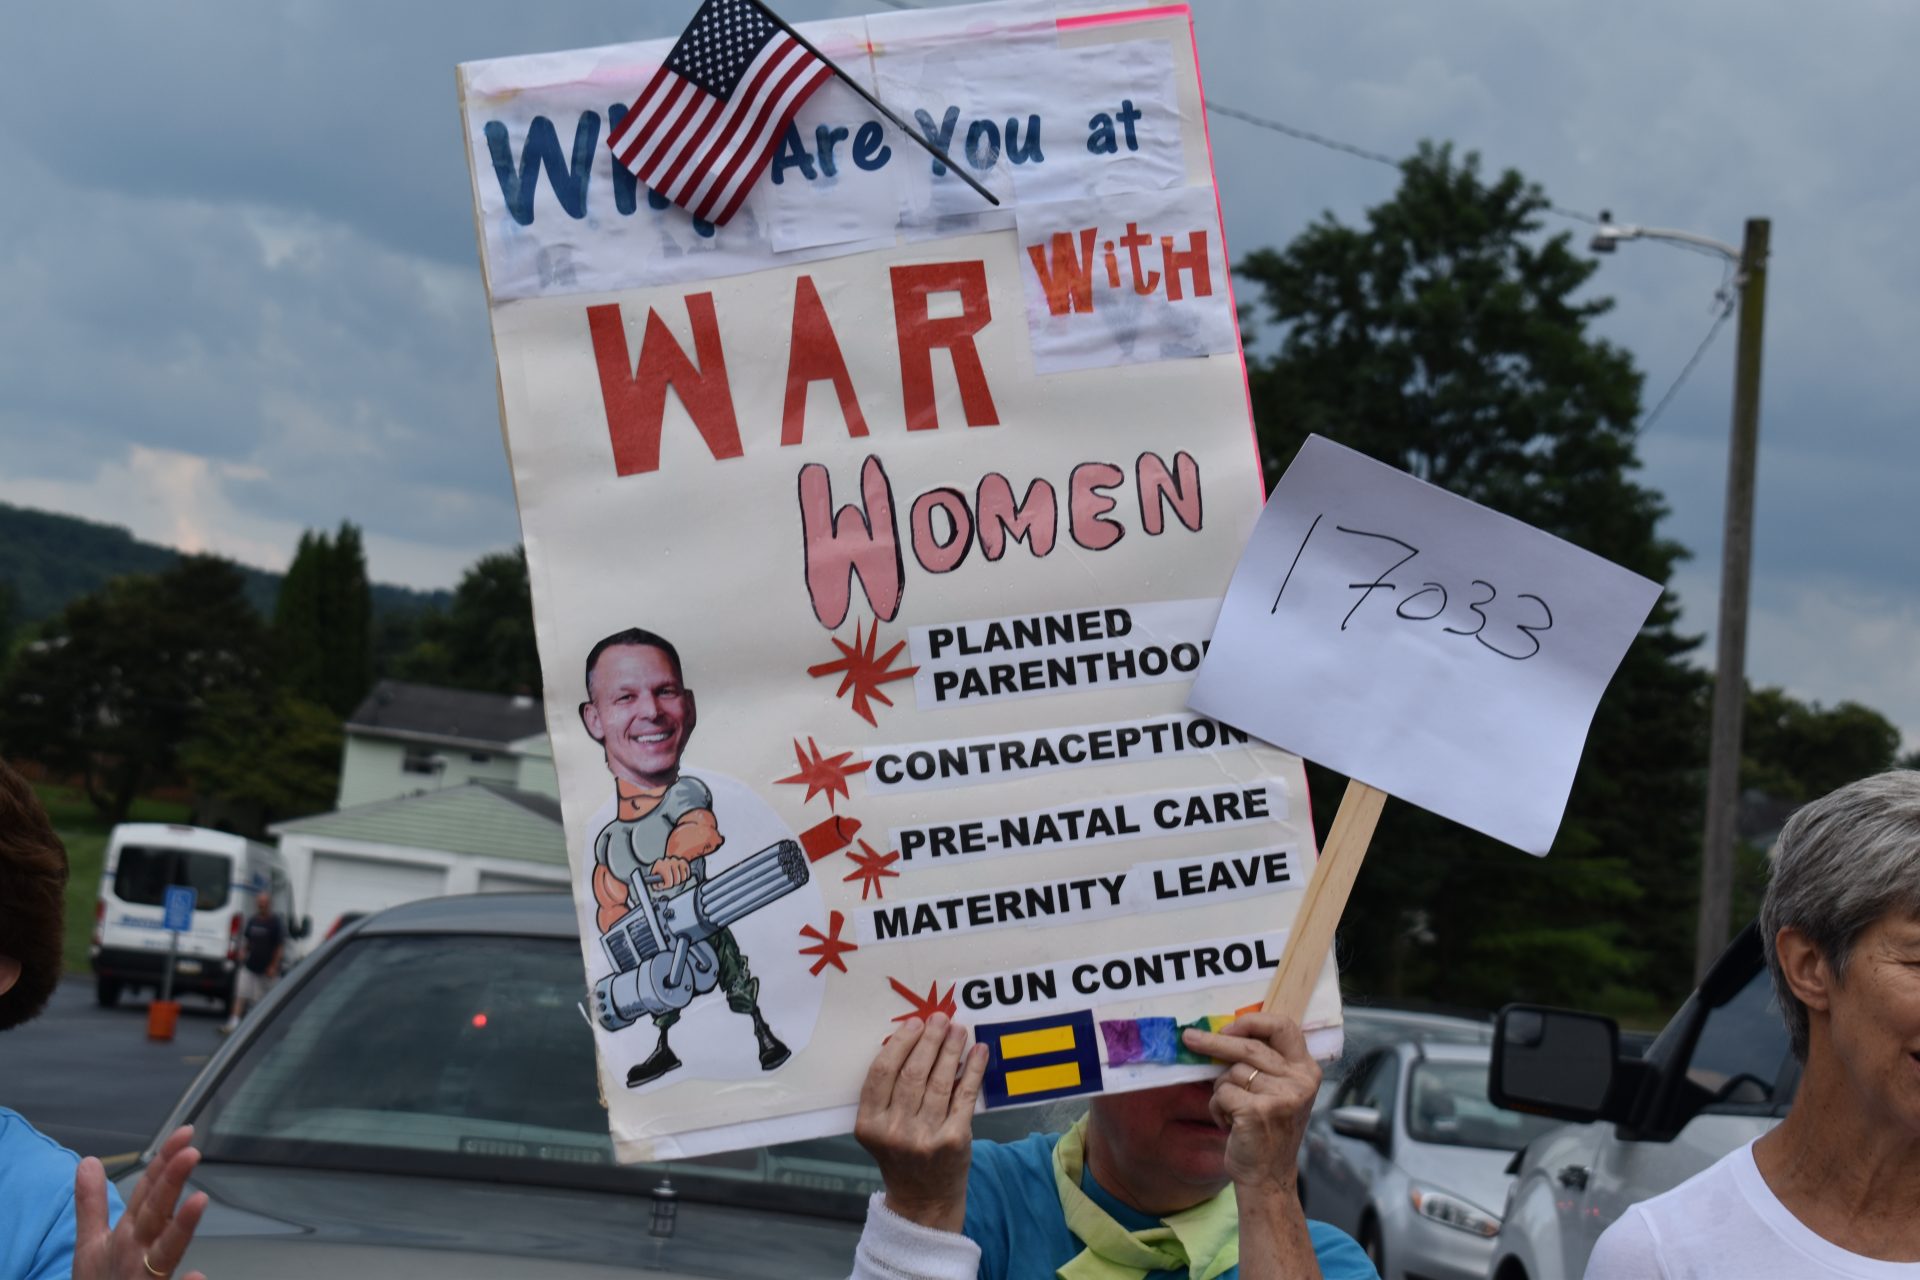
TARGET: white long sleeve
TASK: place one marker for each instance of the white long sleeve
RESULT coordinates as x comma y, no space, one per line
892,1248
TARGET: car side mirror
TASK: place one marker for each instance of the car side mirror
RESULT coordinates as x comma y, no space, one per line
304,928
1364,1123
1553,1062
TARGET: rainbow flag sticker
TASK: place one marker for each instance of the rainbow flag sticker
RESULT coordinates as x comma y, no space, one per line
1156,1041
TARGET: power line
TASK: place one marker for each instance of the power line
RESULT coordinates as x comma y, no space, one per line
1334,144
1304,135
1724,296
1317,139
1726,309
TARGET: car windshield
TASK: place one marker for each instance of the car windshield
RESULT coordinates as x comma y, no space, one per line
469,1056
144,873
1368,1029
1447,1105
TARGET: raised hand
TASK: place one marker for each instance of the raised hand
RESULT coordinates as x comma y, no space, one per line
152,1235
1263,1097
916,1119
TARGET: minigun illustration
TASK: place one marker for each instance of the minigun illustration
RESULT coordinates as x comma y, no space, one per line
659,950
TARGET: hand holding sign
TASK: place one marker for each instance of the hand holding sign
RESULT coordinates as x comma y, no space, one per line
1436,650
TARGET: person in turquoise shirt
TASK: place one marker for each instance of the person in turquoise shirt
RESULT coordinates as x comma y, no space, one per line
59,1217
1190,1182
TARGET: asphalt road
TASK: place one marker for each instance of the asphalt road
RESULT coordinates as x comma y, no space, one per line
89,1077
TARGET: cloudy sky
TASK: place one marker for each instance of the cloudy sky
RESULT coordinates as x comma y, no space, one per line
241,294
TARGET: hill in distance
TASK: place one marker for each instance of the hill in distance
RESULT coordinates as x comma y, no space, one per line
49,559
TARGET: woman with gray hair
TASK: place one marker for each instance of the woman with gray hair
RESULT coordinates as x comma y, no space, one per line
1834,1190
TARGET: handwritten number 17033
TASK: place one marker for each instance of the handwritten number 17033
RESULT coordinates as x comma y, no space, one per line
1431,599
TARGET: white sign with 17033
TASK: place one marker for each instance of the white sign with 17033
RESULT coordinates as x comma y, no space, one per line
1444,653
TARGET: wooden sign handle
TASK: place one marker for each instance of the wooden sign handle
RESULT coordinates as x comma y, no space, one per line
1312,935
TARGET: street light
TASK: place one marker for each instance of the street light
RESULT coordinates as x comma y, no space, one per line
1611,233
1736,559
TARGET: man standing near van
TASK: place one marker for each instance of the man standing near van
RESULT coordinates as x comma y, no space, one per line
266,943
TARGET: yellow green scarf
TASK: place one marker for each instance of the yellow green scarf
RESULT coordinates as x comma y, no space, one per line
1202,1241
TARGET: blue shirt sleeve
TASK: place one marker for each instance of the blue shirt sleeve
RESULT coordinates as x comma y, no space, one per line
1340,1255
54,1261
36,1186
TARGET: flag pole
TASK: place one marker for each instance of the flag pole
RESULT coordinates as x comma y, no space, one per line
878,105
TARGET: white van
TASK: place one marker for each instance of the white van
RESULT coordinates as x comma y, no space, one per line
225,872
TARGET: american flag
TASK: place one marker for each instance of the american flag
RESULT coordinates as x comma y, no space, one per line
706,125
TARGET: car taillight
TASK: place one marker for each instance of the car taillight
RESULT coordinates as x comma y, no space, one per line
233,938
99,920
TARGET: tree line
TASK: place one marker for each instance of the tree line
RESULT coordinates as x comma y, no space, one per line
177,678
1446,335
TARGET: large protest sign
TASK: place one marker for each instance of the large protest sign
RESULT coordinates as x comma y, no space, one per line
1429,647
875,538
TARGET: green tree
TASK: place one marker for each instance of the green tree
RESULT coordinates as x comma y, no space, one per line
119,680
299,618
258,761
323,621
414,647
1799,751
9,620
485,640
1446,336
350,601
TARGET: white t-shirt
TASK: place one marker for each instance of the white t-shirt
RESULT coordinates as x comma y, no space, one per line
1725,1223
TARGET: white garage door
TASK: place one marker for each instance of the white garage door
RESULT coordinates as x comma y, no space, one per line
498,882
342,883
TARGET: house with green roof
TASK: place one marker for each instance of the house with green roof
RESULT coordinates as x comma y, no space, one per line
442,791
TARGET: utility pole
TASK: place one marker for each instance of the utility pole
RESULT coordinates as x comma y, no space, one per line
1736,559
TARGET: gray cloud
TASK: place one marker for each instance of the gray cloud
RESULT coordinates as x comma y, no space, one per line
240,233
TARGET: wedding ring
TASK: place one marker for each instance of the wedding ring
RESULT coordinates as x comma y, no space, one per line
1251,1074
151,1269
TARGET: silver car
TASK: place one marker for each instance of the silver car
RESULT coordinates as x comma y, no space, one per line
1369,1027
1410,1158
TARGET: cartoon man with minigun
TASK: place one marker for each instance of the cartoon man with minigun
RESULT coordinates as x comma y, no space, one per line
664,922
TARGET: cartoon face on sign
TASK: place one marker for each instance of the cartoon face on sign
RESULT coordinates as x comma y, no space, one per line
665,921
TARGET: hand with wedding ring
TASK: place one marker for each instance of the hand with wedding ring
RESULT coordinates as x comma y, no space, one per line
152,1235
1263,1098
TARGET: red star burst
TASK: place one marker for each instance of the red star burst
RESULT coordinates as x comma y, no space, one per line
924,1007
828,945
822,775
862,672
870,869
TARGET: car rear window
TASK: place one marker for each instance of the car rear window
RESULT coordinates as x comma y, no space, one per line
145,872
1447,1104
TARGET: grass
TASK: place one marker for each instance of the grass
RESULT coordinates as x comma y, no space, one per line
84,832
